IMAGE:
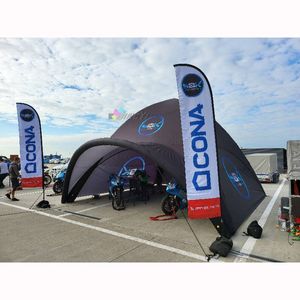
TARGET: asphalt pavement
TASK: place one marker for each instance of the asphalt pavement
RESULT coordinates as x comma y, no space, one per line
89,230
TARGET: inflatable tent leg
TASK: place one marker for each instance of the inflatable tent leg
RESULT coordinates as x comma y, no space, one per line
220,227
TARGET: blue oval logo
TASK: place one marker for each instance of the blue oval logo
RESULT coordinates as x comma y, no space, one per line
192,85
235,178
151,125
27,115
131,165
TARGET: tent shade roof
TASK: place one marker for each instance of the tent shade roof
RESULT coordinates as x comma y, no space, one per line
153,137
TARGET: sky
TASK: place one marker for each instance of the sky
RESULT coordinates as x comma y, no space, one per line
74,83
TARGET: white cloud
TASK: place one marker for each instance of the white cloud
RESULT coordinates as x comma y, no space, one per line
68,79
61,144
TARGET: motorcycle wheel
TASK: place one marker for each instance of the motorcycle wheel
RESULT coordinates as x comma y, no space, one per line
47,179
57,187
169,205
117,200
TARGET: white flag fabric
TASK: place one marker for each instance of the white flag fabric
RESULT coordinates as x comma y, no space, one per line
30,146
199,142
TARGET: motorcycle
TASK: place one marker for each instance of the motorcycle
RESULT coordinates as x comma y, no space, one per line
174,200
59,181
47,177
116,188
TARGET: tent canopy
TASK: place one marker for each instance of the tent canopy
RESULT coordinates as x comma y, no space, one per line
152,138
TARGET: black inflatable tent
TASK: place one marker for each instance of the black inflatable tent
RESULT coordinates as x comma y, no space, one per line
153,137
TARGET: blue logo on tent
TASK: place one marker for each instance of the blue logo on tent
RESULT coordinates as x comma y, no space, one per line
151,125
192,85
27,115
134,163
235,177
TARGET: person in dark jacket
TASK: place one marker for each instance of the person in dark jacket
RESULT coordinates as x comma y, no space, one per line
14,175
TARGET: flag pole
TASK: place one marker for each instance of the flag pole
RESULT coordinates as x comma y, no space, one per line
42,153
29,120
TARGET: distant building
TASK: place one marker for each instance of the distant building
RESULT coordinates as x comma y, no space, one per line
47,158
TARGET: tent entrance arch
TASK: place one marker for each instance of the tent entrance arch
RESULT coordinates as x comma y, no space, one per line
109,156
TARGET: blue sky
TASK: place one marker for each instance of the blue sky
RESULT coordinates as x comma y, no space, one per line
74,83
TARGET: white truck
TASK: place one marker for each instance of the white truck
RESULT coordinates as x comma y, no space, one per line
264,166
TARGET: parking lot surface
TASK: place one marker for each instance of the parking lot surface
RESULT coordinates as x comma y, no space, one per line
89,230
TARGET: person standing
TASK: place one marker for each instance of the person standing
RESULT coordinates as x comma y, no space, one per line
3,171
14,175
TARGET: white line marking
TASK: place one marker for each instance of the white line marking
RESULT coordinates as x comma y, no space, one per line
87,209
117,234
22,194
250,243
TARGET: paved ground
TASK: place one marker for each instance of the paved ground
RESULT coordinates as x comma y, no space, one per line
105,235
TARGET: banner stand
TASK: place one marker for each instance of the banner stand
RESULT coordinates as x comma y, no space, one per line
31,147
199,142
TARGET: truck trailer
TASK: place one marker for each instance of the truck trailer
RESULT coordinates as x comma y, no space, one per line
264,166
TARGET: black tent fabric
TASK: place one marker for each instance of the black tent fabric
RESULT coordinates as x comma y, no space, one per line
152,137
